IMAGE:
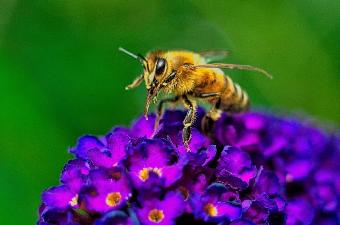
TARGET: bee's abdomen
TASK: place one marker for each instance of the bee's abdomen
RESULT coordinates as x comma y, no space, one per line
233,98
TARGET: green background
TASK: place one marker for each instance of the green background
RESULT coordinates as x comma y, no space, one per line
61,75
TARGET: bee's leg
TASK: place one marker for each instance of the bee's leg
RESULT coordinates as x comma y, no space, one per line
188,120
211,116
160,109
208,95
135,83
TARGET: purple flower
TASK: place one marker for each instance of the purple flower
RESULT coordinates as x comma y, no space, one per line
60,197
143,128
66,195
235,168
212,206
84,145
299,211
171,127
197,168
55,216
110,155
106,190
242,222
153,157
162,212
115,217
253,168
255,211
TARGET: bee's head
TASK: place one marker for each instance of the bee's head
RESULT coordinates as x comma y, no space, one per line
155,67
157,73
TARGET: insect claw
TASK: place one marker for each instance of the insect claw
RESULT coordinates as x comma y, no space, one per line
187,147
155,129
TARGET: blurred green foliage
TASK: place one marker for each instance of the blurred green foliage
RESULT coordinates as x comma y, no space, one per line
61,75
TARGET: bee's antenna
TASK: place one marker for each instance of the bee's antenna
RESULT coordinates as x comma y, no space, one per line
139,57
129,53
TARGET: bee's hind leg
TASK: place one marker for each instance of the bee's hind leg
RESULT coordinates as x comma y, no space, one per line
160,107
213,114
188,121
210,117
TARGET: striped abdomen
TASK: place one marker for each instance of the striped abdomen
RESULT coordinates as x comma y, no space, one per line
233,98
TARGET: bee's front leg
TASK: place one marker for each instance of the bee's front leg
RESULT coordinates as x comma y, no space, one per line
136,82
188,120
160,107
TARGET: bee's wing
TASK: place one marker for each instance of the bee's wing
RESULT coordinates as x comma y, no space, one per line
234,66
211,56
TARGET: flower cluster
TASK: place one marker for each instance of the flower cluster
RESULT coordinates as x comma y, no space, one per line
253,168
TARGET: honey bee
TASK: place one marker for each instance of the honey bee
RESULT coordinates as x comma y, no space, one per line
189,77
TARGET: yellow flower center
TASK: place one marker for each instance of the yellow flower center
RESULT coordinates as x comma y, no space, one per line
210,209
145,172
74,201
113,199
156,215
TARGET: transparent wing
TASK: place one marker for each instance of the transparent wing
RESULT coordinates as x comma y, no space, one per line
211,56
234,66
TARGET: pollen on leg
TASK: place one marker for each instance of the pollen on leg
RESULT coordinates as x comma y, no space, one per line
145,173
210,209
156,215
113,199
215,114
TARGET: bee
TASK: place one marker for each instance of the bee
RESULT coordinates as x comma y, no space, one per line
188,77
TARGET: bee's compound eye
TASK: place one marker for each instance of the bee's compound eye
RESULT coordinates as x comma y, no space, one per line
160,66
